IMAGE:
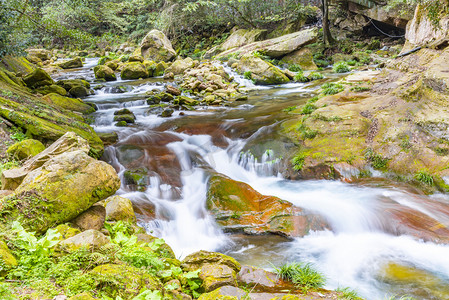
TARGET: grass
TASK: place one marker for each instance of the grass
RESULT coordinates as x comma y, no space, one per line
289,109
6,164
306,132
424,177
298,161
304,276
308,108
360,89
248,75
315,76
377,161
331,88
441,151
341,67
300,77
295,68
348,294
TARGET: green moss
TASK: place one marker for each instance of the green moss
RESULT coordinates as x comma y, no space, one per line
26,149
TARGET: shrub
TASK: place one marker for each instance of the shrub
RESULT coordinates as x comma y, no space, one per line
308,109
340,67
377,161
248,75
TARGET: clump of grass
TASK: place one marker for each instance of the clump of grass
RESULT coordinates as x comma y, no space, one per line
377,161
308,109
341,67
360,89
331,88
298,162
315,76
441,151
424,177
306,132
348,294
304,276
295,68
248,75
300,77
289,109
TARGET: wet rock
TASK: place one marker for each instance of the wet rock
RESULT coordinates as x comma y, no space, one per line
260,280
129,119
37,78
261,71
90,239
137,177
167,112
156,46
180,65
72,63
160,97
173,90
75,87
104,72
108,138
65,186
239,208
134,70
93,218
25,149
184,100
119,209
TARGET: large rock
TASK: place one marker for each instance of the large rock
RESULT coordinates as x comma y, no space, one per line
7,260
37,78
48,89
90,239
261,71
180,65
75,87
422,31
65,186
72,63
93,218
239,208
302,57
104,72
119,209
42,54
71,104
26,149
242,37
225,293
276,47
156,46
134,70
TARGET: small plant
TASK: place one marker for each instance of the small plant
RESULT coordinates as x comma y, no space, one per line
341,67
315,76
306,132
295,68
348,294
300,77
377,161
289,109
360,89
405,143
438,150
308,109
332,88
298,161
424,177
248,75
17,135
302,275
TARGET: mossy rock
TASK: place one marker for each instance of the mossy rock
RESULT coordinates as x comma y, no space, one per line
104,72
82,296
7,260
138,177
224,293
121,124
127,118
196,260
156,46
104,59
90,239
72,104
119,209
77,62
150,66
37,78
134,70
25,149
262,72
124,281
70,83
66,231
17,64
184,100
10,78
108,138
160,68
45,90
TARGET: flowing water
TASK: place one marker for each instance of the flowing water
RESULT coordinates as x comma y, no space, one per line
373,246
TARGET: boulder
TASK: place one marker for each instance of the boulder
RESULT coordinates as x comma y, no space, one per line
138,178
242,37
71,104
104,72
180,65
48,89
65,186
135,58
261,71
276,47
75,87
173,90
184,100
167,112
90,239
160,68
216,269
72,63
42,54
7,260
37,78
134,70
25,149
260,280
302,57
113,65
108,138
225,293
119,209
129,118
156,46
239,208
93,218
82,296
11,179
123,280
66,231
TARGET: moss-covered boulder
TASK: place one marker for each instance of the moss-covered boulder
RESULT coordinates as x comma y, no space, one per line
18,65
262,72
90,239
242,37
159,69
119,209
134,70
82,296
104,72
180,65
72,104
157,47
239,208
42,54
48,89
76,62
66,231
75,87
65,186
26,149
302,57
123,280
184,100
138,58
93,218
37,78
7,260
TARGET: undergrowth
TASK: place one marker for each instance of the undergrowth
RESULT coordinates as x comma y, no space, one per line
304,276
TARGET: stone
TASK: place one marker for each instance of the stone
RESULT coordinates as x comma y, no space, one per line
66,231
37,78
79,92
113,65
179,66
82,296
159,70
7,260
242,37
119,209
42,54
65,186
133,70
71,104
261,71
156,46
196,260
167,112
108,138
129,118
104,72
302,57
4,193
173,90
48,89
261,281
72,63
225,293
123,111
135,58
25,149
137,177
93,218
75,87
90,239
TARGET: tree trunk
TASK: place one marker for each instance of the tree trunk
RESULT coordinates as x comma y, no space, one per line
328,39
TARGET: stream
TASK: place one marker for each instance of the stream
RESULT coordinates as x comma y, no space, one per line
366,250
